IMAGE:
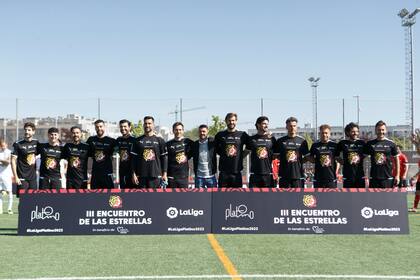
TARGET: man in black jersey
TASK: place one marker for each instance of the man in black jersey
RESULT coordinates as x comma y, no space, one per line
23,159
125,145
51,155
381,150
323,155
178,151
101,149
150,163
230,147
261,147
292,150
76,154
351,156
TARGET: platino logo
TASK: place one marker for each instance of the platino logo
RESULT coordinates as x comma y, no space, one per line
239,212
46,213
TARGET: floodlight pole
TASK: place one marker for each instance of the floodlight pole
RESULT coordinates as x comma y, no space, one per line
314,84
408,20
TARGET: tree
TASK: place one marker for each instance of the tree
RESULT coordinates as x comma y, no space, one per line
192,134
137,130
308,139
217,125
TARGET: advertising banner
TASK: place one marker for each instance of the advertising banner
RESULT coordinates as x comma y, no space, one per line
310,211
115,212
185,211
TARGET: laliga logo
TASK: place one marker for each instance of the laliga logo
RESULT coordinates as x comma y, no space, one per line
115,201
172,212
309,200
367,212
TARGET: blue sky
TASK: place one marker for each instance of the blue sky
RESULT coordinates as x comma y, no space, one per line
140,57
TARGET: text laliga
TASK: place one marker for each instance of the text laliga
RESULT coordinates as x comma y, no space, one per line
191,212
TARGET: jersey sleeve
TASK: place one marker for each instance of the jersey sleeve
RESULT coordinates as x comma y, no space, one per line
304,149
15,149
163,155
394,151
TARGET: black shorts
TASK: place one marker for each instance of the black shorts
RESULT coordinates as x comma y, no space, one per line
149,182
291,183
418,186
177,182
228,180
73,183
102,181
26,185
261,181
325,184
381,183
49,183
402,183
354,183
126,182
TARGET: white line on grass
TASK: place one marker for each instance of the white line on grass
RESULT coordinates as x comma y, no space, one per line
245,276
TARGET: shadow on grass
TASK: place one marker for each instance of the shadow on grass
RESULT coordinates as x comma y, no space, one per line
8,231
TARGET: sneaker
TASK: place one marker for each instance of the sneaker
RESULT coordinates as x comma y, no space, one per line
10,212
412,210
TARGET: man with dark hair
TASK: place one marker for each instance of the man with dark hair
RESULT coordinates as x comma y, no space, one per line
323,155
402,158
77,154
125,145
381,150
150,163
101,151
203,152
230,146
178,151
51,155
292,150
261,147
23,159
351,152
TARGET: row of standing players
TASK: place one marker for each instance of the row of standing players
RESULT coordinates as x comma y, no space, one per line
147,161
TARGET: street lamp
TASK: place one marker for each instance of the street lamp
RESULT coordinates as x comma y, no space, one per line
314,85
407,21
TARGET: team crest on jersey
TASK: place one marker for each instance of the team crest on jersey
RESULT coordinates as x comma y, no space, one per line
231,150
380,158
291,156
354,158
148,155
325,160
262,152
309,200
99,156
51,163
181,158
75,162
30,159
124,155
